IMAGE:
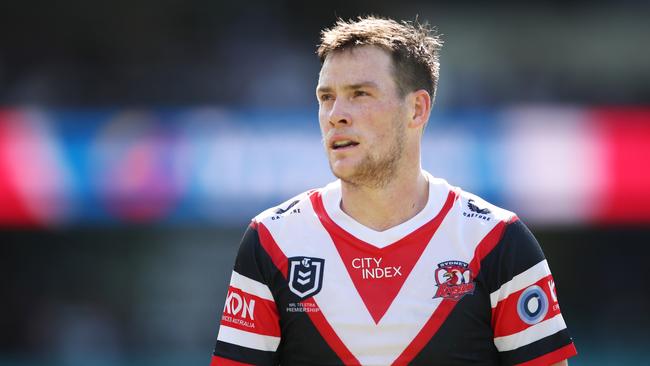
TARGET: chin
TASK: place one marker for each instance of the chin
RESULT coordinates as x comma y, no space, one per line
342,174
342,171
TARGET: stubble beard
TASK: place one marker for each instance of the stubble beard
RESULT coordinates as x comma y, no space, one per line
376,171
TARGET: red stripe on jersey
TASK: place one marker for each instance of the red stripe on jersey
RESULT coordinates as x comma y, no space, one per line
446,306
379,273
428,331
271,247
330,336
322,325
505,317
558,355
220,361
487,245
250,313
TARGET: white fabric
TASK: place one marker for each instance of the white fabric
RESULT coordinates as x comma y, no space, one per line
340,303
248,339
531,334
520,281
250,286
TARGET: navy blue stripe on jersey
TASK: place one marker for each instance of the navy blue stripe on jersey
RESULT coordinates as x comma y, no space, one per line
536,349
465,323
517,251
253,261
245,355
307,344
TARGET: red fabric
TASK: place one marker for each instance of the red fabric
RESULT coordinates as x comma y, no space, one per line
264,320
505,318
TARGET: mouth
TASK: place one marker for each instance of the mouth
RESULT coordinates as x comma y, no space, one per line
343,144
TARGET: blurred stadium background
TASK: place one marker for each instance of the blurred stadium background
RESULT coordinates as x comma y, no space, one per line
138,138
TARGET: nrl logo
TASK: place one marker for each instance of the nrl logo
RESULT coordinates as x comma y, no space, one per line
305,276
454,280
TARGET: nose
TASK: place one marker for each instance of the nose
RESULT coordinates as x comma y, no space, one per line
339,114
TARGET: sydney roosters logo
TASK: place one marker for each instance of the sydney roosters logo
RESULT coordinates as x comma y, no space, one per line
454,280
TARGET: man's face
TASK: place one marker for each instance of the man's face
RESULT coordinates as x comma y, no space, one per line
362,117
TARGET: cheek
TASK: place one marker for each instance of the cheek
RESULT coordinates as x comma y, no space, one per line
378,119
386,128
322,119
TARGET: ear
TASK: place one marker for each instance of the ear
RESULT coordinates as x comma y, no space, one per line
421,108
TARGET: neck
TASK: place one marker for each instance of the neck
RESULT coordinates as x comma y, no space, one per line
388,206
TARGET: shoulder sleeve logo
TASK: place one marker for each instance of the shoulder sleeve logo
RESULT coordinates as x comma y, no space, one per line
306,276
532,305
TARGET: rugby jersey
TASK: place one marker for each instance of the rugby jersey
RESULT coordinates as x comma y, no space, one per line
463,282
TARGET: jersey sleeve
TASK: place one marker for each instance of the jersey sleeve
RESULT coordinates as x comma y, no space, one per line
249,332
526,320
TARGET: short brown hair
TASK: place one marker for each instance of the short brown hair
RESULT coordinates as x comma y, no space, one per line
414,48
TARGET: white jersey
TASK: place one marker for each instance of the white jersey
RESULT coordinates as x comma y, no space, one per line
462,282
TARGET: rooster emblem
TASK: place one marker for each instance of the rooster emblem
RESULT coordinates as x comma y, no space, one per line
454,280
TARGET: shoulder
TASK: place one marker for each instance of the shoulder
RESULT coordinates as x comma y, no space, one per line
260,252
479,211
512,235
294,205
506,246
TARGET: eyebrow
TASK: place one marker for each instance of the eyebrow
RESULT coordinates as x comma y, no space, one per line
365,84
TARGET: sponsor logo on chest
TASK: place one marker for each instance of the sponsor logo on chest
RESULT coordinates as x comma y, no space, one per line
372,268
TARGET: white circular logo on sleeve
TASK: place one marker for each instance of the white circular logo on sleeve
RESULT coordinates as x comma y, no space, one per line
532,305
